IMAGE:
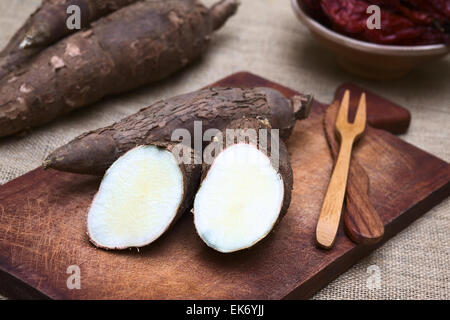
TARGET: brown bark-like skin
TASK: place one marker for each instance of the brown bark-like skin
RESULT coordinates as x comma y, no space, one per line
47,25
95,151
136,45
191,179
281,163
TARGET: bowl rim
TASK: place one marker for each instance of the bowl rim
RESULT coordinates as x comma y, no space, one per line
368,47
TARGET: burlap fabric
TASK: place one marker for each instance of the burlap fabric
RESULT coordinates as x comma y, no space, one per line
265,38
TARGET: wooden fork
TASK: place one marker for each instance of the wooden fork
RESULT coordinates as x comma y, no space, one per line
348,133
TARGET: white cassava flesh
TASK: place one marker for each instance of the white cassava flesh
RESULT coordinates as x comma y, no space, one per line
239,200
138,199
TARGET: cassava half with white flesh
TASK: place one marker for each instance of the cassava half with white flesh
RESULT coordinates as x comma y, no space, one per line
245,191
141,195
95,151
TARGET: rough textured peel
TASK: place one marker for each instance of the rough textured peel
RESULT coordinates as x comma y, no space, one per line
134,46
95,151
47,25
244,192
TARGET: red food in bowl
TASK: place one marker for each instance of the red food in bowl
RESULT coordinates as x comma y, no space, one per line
403,22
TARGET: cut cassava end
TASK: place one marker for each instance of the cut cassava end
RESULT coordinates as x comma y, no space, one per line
140,196
244,192
137,45
239,201
95,151
47,25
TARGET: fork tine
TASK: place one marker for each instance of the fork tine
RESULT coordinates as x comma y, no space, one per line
360,117
342,116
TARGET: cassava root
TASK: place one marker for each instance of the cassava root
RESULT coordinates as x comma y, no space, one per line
247,188
95,151
141,195
47,25
134,46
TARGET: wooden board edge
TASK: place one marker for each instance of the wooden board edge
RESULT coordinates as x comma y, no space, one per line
14,288
310,287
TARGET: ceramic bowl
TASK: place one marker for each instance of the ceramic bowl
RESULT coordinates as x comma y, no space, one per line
367,59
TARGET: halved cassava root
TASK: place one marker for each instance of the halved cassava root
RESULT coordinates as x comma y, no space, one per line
136,45
245,191
95,151
141,195
47,25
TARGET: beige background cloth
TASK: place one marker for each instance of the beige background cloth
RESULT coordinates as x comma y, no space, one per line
266,38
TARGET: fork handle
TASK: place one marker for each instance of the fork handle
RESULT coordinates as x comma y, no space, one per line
330,214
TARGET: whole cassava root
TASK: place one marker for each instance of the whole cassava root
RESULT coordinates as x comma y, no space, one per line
47,25
246,190
136,45
95,151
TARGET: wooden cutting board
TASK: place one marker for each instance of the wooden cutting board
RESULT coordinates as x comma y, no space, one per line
43,232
